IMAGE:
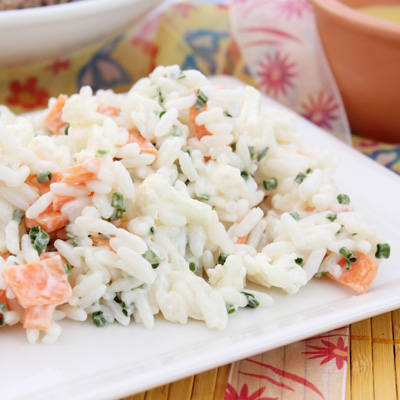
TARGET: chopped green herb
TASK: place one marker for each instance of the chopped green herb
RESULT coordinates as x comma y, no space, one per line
222,258
51,249
205,197
227,114
331,216
251,301
162,113
192,266
270,183
128,309
319,274
262,154
71,236
245,175
2,322
117,214
3,308
299,261
178,75
233,146
348,255
118,201
98,318
252,151
382,250
105,236
17,215
66,130
68,269
300,177
101,152
343,198
152,230
152,258
74,244
201,100
294,215
39,238
230,309
160,96
188,151
309,170
176,130
44,176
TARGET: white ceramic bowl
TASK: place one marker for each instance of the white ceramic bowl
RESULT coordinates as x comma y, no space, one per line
34,34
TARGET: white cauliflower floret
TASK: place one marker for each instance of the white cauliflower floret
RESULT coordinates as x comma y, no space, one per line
283,272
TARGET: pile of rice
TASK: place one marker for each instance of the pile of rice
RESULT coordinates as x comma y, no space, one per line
178,249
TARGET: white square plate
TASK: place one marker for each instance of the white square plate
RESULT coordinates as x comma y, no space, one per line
115,361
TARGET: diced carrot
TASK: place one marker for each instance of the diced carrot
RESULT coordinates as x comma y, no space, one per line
53,120
43,187
79,173
108,111
199,130
4,256
242,239
360,275
145,145
101,241
50,220
3,298
39,317
59,201
40,283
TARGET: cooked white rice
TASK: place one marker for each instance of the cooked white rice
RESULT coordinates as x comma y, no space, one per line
203,216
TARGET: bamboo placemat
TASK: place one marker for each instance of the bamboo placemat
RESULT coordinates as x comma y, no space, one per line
373,371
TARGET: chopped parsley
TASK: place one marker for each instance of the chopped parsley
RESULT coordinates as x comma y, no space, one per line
251,300
343,198
39,238
382,250
222,258
44,176
201,100
262,154
270,183
331,216
98,318
348,255
17,215
300,177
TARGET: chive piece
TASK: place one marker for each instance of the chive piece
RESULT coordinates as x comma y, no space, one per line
66,131
160,96
71,236
118,201
262,154
176,130
245,175
68,269
348,255
382,250
188,151
178,75
343,198
74,244
205,197
299,261
192,266
17,215
251,301
51,249
230,309
300,177
222,258
228,115
3,308
162,113
152,258
201,100
309,170
270,183
106,236
98,318
319,274
101,152
39,238
294,215
44,176
128,309
233,146
152,230
331,216
252,151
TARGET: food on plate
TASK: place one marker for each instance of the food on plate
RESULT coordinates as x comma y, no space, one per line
19,4
168,200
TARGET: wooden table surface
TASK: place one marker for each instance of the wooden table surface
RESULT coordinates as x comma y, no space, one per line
373,371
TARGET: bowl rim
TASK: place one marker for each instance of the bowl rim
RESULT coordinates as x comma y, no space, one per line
60,12
347,15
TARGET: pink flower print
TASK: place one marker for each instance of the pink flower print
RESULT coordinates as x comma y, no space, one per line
293,8
183,9
276,74
320,109
231,394
58,65
331,351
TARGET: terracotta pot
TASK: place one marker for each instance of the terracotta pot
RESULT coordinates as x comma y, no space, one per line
364,54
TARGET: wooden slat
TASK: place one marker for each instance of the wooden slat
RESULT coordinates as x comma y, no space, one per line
204,385
159,393
348,375
181,389
139,396
222,380
362,380
396,337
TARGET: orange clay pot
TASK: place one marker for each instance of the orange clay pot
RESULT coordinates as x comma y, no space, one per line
364,54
